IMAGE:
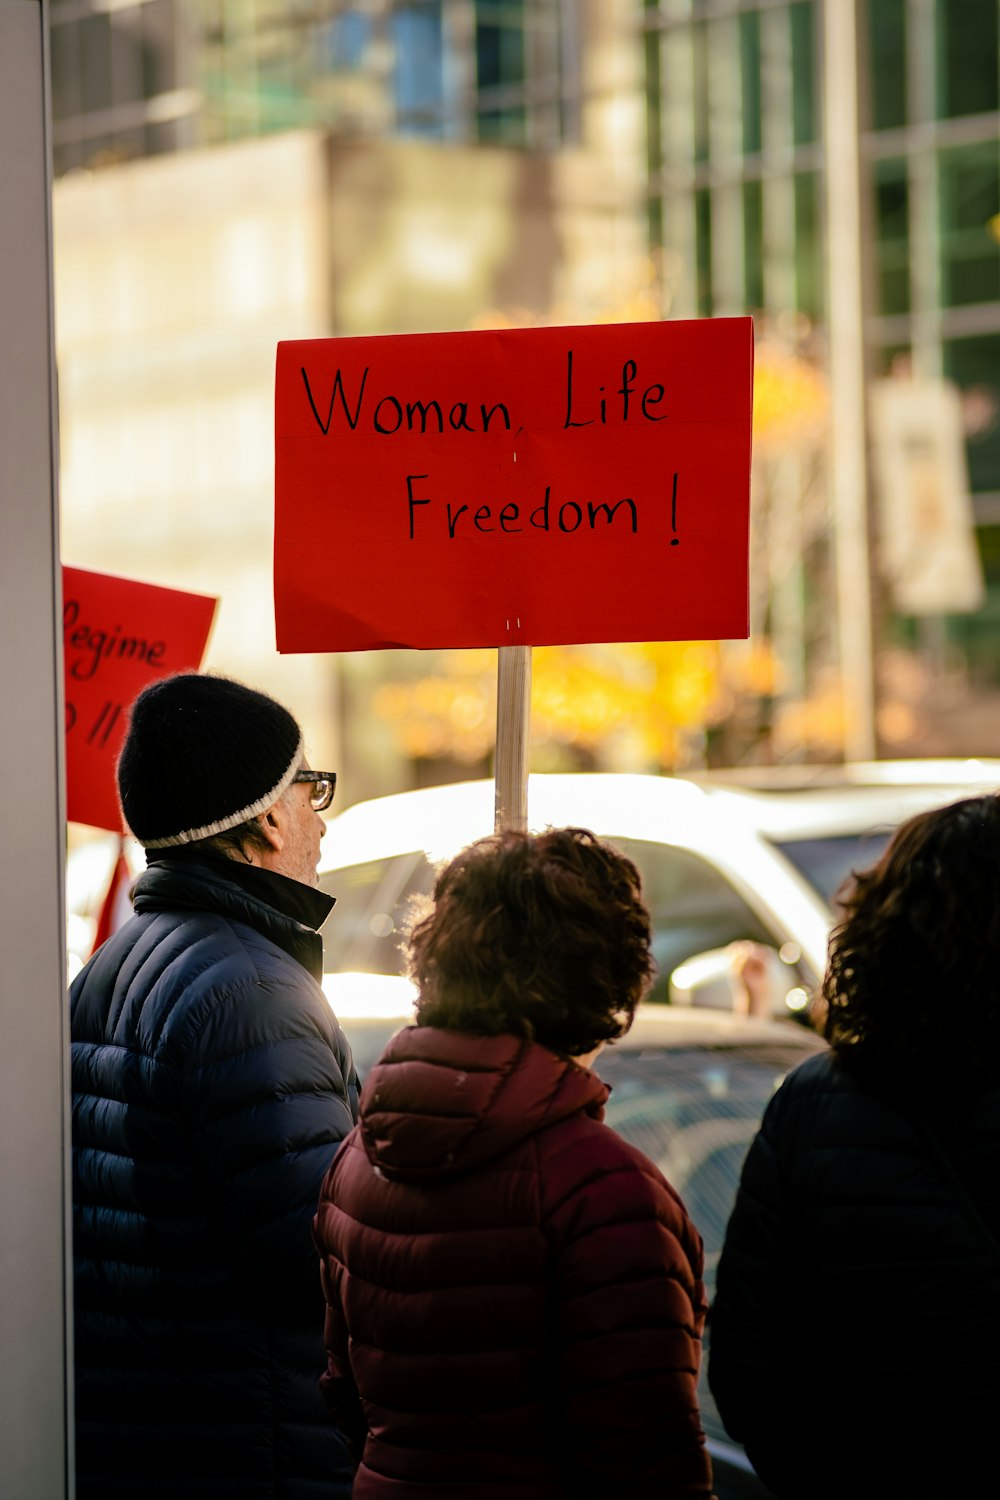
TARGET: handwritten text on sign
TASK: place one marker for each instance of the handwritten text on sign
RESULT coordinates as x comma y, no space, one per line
532,486
118,636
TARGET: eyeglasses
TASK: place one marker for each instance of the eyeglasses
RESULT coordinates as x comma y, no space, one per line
324,784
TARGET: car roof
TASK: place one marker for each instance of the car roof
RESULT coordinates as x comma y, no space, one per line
441,820
779,802
786,810
807,776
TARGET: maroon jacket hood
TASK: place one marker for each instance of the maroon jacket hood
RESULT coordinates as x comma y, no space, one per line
439,1103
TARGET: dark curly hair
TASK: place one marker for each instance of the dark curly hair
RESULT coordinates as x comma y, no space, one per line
541,935
913,981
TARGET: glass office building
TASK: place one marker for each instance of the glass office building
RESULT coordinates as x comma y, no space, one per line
733,189
137,79
734,92
734,153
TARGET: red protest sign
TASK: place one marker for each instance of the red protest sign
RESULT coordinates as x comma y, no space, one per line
118,635
526,486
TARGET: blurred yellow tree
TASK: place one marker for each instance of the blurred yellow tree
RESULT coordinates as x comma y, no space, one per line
632,705
789,398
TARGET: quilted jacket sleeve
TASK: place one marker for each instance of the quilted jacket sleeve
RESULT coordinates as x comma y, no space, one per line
270,1091
752,1336
337,1383
630,1312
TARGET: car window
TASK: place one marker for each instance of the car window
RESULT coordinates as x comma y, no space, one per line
365,932
693,906
827,862
694,1111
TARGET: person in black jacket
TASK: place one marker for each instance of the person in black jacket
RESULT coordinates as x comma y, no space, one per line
856,1327
211,1088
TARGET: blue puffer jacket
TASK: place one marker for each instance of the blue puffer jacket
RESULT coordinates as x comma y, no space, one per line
211,1087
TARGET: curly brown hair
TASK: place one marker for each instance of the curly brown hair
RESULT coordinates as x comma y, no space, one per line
543,936
913,980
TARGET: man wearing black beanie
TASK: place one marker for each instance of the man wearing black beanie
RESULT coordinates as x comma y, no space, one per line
211,1088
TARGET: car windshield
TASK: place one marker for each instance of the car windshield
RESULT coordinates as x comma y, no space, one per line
694,1111
694,908
374,901
827,862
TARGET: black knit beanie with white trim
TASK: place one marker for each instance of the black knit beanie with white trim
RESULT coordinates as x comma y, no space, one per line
203,754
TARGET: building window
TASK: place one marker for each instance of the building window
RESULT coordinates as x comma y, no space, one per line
808,246
968,71
654,105
887,63
500,73
95,64
969,191
753,245
703,250
989,550
347,41
800,18
700,94
750,81
117,82
892,237
974,365
418,70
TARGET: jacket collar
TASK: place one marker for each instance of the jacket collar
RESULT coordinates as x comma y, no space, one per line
284,910
441,1103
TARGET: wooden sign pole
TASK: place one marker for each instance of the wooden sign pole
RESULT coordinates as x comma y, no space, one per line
513,720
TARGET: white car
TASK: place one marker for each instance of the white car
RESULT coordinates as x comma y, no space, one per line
830,820
727,858
712,882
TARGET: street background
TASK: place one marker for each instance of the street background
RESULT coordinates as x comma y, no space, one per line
230,174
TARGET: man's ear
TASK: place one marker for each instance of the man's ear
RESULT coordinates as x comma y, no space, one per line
272,826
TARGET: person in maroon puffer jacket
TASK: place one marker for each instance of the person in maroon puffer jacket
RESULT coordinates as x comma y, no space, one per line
514,1294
